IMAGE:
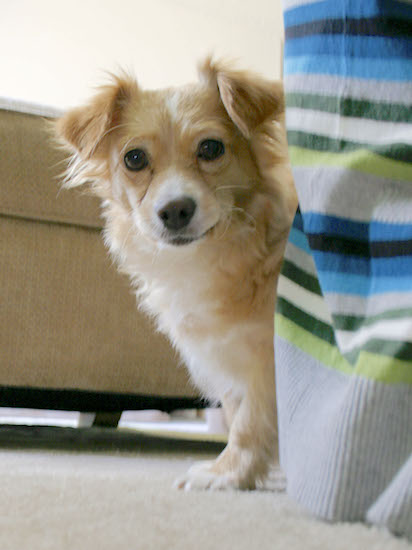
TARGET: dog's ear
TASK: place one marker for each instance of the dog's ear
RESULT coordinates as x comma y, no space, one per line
84,128
249,99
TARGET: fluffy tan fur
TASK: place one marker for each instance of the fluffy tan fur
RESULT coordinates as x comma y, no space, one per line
214,293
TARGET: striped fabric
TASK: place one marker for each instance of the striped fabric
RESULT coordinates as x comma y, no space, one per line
344,312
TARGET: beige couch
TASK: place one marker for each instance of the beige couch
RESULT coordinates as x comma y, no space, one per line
71,336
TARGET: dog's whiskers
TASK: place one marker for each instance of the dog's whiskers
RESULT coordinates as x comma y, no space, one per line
223,187
126,238
247,215
227,220
155,256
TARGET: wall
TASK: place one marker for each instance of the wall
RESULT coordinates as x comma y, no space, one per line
54,52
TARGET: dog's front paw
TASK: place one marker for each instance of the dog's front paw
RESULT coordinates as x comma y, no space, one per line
205,475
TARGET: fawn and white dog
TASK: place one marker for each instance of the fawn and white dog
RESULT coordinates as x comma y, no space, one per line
198,199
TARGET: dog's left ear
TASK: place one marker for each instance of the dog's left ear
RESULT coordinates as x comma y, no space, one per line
249,99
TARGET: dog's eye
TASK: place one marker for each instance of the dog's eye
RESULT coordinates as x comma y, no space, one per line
210,149
136,160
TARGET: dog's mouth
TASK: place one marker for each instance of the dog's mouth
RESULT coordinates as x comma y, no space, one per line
182,240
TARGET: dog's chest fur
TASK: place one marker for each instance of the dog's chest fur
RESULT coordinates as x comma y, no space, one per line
203,297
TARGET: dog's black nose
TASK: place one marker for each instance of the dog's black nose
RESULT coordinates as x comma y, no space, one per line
177,214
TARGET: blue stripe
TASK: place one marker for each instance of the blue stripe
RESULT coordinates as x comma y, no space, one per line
298,221
380,231
397,267
354,46
374,231
377,69
357,285
333,9
331,225
300,240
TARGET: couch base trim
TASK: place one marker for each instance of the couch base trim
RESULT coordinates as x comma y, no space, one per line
89,401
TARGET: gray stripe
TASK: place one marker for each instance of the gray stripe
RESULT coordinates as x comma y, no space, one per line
341,192
343,439
300,258
368,307
372,90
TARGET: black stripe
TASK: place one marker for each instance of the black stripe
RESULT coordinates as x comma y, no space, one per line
391,249
365,249
374,26
338,245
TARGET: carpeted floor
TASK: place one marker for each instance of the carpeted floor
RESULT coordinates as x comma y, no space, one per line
104,490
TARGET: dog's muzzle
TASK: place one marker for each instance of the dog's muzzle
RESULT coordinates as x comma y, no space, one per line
176,216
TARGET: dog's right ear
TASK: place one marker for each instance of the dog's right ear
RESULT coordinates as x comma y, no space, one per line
84,128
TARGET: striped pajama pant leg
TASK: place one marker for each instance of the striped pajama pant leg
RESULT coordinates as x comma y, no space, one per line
344,314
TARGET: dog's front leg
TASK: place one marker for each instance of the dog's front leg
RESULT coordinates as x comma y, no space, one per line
252,443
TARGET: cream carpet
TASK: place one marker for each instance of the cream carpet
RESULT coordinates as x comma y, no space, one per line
104,490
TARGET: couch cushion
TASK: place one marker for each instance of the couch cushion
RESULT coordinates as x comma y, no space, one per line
31,168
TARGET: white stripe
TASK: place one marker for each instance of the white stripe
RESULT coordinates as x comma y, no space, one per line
350,128
353,195
370,90
396,330
289,4
310,303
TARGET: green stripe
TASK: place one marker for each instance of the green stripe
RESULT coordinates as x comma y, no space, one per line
304,320
382,111
312,345
361,160
389,348
395,151
354,322
300,277
380,368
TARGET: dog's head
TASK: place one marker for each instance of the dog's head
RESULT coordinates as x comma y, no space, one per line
183,163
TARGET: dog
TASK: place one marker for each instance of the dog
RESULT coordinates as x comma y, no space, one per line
198,199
